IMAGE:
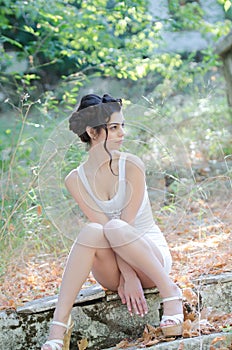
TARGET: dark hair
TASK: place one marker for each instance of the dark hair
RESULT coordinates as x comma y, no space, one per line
94,111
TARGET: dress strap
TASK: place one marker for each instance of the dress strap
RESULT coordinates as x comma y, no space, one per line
81,173
122,167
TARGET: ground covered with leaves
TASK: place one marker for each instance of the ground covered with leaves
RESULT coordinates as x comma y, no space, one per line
200,244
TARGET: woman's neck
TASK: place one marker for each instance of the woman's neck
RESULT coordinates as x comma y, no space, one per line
98,156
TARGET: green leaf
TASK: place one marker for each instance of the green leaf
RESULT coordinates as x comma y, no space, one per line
227,5
11,41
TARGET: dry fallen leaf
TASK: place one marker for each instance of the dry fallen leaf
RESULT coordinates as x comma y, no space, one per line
217,339
123,344
151,342
82,344
187,326
190,296
205,313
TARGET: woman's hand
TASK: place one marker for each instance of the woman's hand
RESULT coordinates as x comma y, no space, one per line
131,294
121,289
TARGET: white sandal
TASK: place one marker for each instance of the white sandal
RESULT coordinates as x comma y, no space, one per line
175,329
61,344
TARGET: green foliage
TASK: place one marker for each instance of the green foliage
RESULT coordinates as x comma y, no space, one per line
107,38
226,4
185,15
23,222
67,42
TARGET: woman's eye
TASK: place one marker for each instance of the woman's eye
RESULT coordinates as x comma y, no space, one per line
115,127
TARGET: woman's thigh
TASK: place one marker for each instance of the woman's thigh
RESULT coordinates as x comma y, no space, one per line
144,279
120,235
160,253
105,269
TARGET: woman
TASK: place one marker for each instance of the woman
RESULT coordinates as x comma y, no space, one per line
121,244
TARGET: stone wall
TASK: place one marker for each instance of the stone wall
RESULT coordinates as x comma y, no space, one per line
185,41
100,316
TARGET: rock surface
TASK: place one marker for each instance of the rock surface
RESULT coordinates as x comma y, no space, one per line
198,343
100,317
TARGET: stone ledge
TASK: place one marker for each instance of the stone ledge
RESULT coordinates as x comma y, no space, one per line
220,296
92,293
100,317
202,343
86,295
209,279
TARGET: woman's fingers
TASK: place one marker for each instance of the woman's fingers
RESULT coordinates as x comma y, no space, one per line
122,297
142,306
137,306
129,305
135,299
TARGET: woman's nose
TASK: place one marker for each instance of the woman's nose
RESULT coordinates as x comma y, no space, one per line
121,130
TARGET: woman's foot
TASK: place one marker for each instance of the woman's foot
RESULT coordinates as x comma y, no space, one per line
173,317
59,337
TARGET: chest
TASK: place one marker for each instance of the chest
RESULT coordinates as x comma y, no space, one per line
104,185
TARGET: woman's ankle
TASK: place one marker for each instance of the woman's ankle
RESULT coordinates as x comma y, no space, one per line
60,316
173,291
172,307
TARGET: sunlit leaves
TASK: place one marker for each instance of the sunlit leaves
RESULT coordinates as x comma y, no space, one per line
186,16
11,41
75,30
108,38
226,3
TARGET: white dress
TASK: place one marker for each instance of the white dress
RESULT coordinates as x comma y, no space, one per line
144,221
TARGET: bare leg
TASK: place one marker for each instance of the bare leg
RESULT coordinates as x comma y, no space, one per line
90,248
139,254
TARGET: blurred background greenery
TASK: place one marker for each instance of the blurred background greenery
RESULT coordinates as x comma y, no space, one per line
53,52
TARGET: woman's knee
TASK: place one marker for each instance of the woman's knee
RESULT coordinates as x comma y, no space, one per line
92,235
114,226
118,232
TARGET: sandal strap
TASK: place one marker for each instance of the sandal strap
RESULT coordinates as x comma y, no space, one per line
67,326
57,323
178,318
55,344
178,297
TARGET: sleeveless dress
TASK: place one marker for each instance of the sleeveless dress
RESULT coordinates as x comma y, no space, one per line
144,221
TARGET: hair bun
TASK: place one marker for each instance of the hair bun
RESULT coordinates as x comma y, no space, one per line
107,98
93,111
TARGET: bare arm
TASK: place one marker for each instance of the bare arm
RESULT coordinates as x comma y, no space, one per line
135,176
130,289
83,199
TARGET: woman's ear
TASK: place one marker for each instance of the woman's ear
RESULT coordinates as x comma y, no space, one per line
91,132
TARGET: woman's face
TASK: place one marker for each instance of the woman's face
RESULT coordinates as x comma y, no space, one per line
116,132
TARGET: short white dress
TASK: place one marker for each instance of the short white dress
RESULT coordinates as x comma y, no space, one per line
144,221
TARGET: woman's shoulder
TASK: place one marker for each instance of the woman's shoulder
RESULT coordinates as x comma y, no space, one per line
133,161
73,175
